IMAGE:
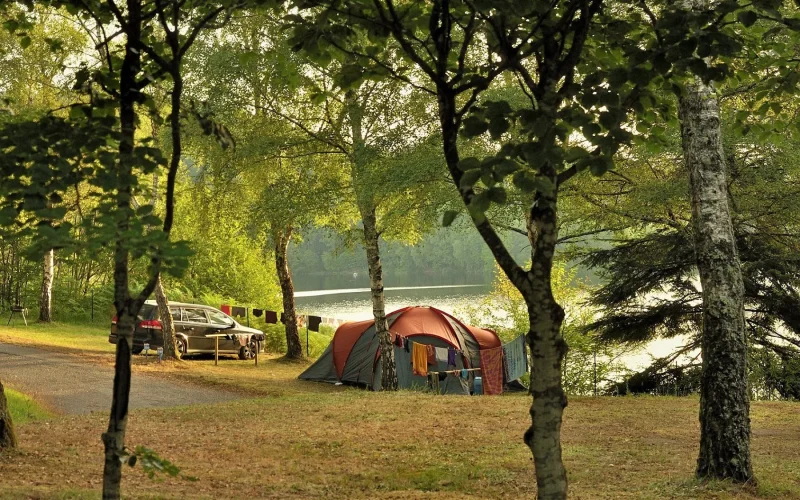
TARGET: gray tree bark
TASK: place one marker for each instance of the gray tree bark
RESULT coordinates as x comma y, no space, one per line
46,297
724,398
167,325
8,438
548,349
367,210
294,349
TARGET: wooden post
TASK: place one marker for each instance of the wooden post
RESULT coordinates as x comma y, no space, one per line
216,350
257,347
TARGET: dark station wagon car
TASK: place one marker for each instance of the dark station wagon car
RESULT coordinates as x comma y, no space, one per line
192,323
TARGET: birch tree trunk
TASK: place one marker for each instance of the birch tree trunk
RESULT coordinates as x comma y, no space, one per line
46,297
8,438
388,367
367,209
167,325
294,349
724,398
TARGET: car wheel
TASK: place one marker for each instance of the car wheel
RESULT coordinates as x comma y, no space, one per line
247,351
181,343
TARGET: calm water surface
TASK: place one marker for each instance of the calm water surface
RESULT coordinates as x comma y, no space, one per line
349,299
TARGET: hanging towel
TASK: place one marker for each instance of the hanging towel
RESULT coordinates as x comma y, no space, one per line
451,357
238,311
492,370
225,308
283,318
431,351
419,359
313,323
301,321
258,312
516,358
270,317
402,361
441,355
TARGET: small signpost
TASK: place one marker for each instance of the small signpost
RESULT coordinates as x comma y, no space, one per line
160,352
146,350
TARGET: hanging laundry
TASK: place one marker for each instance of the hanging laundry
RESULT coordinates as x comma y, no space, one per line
313,323
225,308
431,354
258,312
239,311
283,318
270,317
516,358
398,340
441,355
402,361
451,357
492,370
419,359
301,321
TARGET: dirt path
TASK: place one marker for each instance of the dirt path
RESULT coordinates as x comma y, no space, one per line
69,385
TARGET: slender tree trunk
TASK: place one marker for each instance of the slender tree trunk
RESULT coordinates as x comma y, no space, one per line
548,347
294,349
8,439
548,350
388,367
167,325
724,400
46,298
114,437
367,209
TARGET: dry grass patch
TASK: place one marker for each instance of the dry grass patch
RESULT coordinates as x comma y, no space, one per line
355,444
59,337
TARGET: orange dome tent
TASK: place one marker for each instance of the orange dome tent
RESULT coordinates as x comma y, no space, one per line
353,356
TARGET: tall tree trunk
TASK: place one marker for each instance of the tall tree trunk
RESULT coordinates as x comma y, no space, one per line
114,437
294,349
388,366
367,209
46,298
167,325
8,439
548,349
724,400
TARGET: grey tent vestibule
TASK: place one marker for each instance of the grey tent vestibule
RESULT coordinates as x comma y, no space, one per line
353,356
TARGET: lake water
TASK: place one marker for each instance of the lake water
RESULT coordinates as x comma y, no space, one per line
350,300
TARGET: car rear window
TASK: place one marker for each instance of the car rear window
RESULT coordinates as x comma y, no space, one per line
146,312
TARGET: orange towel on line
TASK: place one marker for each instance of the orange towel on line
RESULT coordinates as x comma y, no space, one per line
492,370
419,359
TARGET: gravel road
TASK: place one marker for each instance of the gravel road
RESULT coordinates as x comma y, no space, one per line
72,386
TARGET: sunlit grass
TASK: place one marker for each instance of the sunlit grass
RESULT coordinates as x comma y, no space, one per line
61,336
24,409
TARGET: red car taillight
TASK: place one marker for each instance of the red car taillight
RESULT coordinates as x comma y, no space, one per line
150,324
114,320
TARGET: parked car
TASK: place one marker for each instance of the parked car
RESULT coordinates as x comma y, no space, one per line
192,323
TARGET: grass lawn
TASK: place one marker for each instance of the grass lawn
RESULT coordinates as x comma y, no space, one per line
24,409
311,440
91,338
